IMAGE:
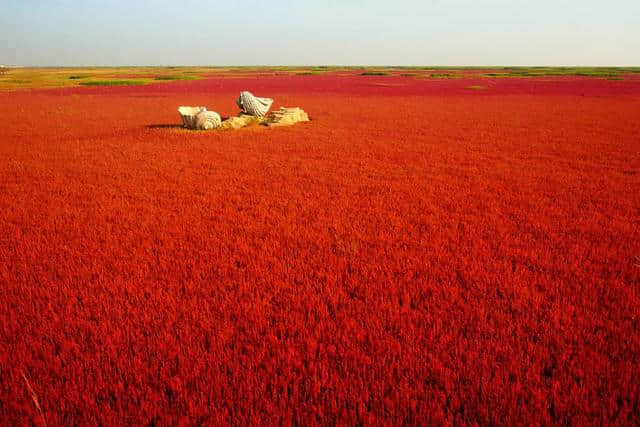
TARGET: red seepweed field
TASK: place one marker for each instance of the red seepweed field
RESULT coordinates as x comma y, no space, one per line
423,251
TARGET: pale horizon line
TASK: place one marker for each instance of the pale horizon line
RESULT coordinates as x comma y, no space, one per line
325,65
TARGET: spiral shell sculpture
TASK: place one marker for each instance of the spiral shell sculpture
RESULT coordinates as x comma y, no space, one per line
206,120
253,105
189,114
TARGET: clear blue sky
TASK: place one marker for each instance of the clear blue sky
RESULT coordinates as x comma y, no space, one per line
375,32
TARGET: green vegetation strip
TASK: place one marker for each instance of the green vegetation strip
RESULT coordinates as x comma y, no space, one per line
113,83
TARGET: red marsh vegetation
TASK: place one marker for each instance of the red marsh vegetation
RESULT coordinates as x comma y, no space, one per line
449,251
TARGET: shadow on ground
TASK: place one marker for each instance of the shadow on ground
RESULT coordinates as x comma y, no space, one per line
166,126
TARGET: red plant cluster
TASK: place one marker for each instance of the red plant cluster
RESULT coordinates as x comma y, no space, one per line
419,252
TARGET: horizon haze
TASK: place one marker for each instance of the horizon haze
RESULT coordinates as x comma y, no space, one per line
284,32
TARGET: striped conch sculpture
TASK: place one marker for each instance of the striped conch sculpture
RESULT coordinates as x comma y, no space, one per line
253,105
199,118
206,120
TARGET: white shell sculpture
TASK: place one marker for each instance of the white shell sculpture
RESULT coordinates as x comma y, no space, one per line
189,114
199,118
206,120
253,105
